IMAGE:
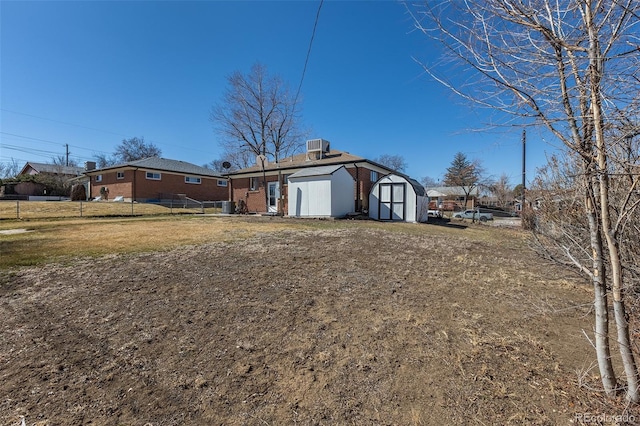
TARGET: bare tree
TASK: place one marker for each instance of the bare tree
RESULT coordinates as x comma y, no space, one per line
567,65
129,150
61,161
258,116
502,190
395,162
9,169
428,182
136,149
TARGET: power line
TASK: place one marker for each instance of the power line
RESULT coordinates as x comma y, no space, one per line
61,122
28,151
51,142
306,61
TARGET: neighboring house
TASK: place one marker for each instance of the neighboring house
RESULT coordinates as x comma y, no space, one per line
323,191
52,187
451,197
399,198
248,185
156,179
66,172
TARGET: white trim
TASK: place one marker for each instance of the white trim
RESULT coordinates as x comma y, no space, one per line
193,180
153,175
253,187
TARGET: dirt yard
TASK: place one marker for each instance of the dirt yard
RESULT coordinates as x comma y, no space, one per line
348,324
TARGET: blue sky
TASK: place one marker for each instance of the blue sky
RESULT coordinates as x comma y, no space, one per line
91,73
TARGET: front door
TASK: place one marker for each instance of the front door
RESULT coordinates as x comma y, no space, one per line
273,194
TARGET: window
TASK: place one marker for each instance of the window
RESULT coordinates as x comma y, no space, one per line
98,178
222,182
120,175
253,184
192,179
153,176
374,176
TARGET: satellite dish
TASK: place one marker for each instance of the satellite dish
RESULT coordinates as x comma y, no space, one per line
226,165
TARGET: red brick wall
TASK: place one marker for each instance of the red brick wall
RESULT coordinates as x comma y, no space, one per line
362,176
256,202
255,199
207,190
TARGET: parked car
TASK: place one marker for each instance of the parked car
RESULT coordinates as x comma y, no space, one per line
434,213
473,214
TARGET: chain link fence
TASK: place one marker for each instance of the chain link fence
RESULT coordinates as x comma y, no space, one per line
19,209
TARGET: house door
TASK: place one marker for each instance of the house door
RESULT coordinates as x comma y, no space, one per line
274,193
391,201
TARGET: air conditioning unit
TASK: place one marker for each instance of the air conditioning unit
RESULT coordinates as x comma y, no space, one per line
318,147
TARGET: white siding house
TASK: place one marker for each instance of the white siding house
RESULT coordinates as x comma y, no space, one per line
399,198
326,191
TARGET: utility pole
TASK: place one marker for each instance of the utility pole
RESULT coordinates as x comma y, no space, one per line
524,170
67,146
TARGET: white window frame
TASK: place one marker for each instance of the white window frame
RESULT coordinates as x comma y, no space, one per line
98,178
223,182
374,176
193,180
152,175
254,183
119,175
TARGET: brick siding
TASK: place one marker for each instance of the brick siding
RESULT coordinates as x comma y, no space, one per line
146,189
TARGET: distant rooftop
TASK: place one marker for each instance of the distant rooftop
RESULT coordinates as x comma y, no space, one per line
166,165
52,169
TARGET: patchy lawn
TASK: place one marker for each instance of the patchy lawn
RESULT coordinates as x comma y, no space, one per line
281,321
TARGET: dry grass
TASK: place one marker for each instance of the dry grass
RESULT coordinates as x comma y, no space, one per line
281,321
28,210
57,232
65,239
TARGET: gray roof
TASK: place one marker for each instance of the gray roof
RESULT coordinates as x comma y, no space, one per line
444,191
54,169
165,165
316,171
417,187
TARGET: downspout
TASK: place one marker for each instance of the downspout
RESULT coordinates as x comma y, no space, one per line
358,206
133,186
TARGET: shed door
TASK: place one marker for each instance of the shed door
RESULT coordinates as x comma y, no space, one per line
391,201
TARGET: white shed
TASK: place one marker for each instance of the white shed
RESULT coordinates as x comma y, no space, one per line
325,191
400,198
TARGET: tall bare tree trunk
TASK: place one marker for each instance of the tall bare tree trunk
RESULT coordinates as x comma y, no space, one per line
600,304
622,325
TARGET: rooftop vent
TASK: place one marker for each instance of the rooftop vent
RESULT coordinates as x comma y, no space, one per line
317,148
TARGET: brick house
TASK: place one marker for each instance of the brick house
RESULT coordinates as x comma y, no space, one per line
155,179
65,172
248,184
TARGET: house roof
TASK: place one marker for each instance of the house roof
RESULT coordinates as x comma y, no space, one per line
317,171
52,169
444,191
303,160
164,165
